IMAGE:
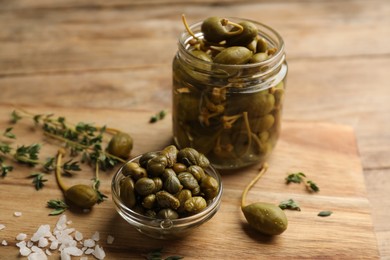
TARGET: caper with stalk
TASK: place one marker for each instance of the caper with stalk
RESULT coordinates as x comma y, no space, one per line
264,217
80,195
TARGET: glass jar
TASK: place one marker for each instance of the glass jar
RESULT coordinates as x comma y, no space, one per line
231,113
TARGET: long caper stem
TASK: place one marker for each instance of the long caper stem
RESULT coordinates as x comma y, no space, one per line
253,182
61,152
225,22
248,129
188,29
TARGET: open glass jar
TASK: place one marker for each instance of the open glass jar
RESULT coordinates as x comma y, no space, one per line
231,113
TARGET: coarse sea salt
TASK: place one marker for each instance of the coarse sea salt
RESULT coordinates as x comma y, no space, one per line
110,239
17,213
2,226
63,239
4,243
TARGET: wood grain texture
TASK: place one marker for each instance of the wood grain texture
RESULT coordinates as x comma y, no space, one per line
349,231
117,54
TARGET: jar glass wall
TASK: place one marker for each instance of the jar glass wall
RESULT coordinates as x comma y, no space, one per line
231,113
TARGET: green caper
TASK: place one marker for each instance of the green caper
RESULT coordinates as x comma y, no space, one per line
235,55
196,171
201,55
81,195
145,186
182,196
143,161
195,204
278,92
120,145
187,180
179,167
158,184
214,30
150,213
190,156
127,192
170,152
157,165
209,186
196,191
167,214
149,201
167,173
245,37
258,57
134,170
262,45
172,184
265,217
167,200
263,123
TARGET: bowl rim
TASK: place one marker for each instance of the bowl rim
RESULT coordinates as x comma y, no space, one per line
151,222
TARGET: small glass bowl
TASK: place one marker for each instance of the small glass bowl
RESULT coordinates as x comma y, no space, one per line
164,228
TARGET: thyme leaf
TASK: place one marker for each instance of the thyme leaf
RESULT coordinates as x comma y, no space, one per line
5,169
325,213
5,148
159,116
8,133
49,165
156,254
59,207
289,204
70,166
301,177
38,180
295,177
95,186
15,117
28,154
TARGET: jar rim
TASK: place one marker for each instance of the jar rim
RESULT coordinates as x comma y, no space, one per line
264,30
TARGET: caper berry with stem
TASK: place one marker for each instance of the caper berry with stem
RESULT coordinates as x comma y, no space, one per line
120,145
80,195
244,38
264,217
215,29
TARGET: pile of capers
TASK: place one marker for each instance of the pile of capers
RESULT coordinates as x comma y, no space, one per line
226,42
168,184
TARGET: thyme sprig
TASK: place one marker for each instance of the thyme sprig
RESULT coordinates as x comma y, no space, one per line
289,204
156,254
38,180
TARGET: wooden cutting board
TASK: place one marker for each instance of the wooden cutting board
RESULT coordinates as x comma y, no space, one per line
326,153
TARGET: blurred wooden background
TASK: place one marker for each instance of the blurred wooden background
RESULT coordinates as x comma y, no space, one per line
117,54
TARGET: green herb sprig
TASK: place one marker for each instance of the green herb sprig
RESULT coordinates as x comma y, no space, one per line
159,116
301,177
156,254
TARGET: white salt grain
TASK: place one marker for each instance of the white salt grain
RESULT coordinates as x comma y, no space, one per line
89,251
43,242
110,239
30,243
78,236
17,214
21,236
2,226
47,251
24,251
89,242
54,245
43,231
96,236
21,244
4,243
99,252
37,256
73,251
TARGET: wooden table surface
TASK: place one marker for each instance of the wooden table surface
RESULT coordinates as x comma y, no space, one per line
117,54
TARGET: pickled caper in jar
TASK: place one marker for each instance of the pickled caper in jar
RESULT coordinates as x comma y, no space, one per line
167,200
209,186
167,214
134,170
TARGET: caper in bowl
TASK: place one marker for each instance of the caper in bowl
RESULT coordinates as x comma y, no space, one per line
165,194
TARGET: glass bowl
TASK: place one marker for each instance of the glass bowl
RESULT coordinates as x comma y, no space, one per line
164,228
